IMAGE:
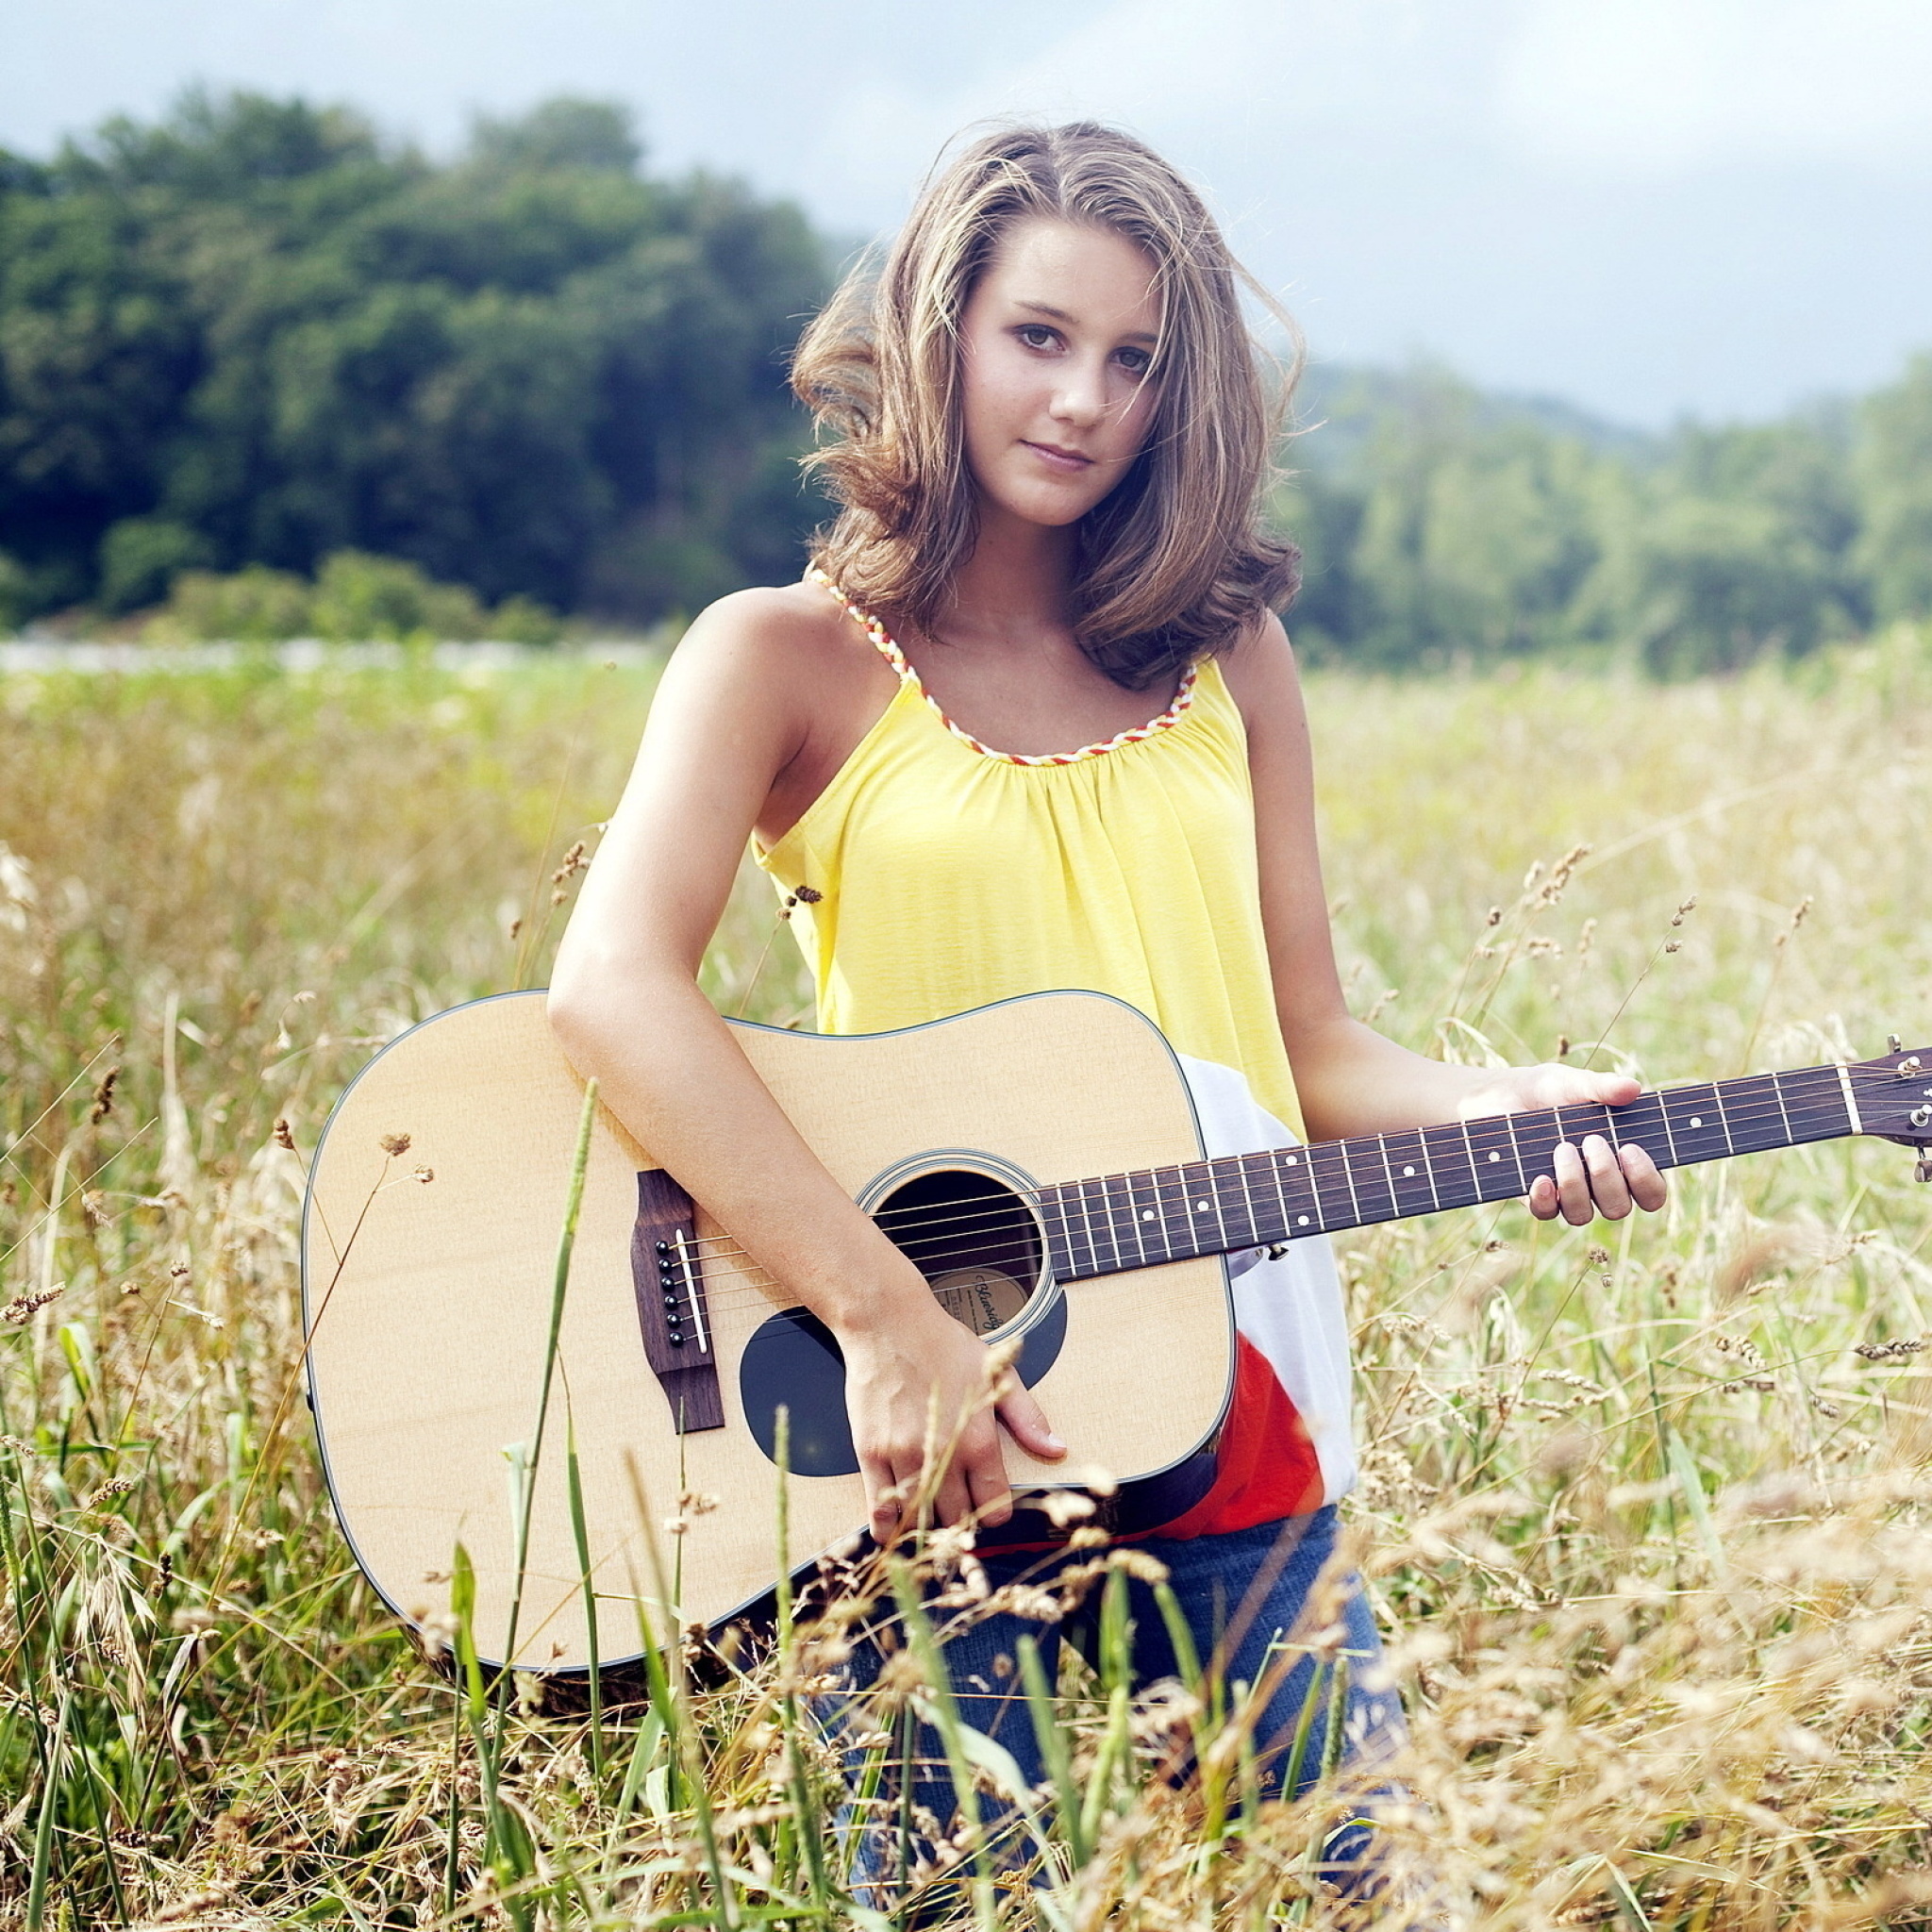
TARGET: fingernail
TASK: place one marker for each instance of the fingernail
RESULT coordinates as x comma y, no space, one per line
1054,1442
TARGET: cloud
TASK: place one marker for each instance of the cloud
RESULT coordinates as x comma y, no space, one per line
1195,77
1661,86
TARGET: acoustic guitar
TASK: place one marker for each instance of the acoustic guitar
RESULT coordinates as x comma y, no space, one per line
1038,1159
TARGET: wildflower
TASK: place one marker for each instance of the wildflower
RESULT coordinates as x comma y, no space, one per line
107,1491
396,1145
283,1137
23,1307
104,1097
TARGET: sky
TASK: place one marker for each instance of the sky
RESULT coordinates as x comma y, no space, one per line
1648,208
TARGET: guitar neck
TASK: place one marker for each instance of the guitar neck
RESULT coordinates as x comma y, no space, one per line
1117,1222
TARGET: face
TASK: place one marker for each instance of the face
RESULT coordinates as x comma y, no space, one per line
1056,343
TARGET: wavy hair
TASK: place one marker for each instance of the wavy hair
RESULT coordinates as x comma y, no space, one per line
1172,564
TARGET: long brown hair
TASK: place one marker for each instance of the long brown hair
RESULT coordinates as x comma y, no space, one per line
1172,564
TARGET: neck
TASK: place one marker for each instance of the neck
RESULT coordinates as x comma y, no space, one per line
1018,582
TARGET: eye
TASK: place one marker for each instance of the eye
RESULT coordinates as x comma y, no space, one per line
1135,362
1036,335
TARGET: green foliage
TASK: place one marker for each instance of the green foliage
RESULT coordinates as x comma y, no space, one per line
256,334
141,557
355,598
1895,473
1440,525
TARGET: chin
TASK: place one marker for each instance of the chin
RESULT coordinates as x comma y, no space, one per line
1051,509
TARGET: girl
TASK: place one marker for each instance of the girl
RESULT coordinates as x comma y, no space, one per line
1048,430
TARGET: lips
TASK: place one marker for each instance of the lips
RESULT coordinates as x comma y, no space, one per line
1067,459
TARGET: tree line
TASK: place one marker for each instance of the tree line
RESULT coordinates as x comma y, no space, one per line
255,337
255,333
1439,524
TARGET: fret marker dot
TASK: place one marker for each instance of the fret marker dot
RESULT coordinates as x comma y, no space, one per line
1407,1170
1303,1222
1293,1160
1200,1207
1493,1155
1696,1120
1146,1214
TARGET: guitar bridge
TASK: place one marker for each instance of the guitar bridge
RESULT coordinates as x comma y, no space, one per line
672,1314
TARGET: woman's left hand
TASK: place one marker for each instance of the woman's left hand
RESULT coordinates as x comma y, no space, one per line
1594,1178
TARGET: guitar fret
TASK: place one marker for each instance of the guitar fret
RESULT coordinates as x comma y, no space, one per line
1510,1121
1173,1213
1217,1194
1120,1214
1411,1172
1098,1261
1109,1226
1754,1114
1368,1173
1452,1173
1692,1120
1144,1198
1303,1216
1813,1103
1334,1196
1066,1254
1254,1221
1494,1181
1537,1134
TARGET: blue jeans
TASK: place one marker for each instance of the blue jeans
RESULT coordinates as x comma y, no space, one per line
1245,1599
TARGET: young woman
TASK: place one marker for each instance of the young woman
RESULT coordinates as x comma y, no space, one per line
1030,722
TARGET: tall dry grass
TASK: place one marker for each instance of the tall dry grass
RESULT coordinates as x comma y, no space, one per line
1644,1506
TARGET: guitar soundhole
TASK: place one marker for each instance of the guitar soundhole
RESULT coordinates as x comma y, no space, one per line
977,1244
974,1240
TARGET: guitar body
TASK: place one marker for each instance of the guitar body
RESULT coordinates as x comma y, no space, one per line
427,1305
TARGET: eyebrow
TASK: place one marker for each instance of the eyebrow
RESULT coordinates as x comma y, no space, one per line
1062,315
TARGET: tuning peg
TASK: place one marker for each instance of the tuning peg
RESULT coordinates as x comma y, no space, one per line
1893,1043
1921,1168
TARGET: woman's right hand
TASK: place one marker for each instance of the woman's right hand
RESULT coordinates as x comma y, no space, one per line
916,1366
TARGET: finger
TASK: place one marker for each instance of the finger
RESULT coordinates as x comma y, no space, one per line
1573,1184
1648,1188
986,1480
1606,1184
954,1499
1027,1421
1542,1198
1614,1089
881,1498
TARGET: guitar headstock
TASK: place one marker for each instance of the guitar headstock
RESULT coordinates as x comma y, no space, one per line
1894,1097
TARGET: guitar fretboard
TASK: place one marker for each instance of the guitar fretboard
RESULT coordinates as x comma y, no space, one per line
1219,1206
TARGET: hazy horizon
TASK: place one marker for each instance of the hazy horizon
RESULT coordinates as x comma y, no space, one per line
1644,209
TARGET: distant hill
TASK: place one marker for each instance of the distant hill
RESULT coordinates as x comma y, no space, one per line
1339,404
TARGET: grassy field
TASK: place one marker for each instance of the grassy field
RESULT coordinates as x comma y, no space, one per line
1645,1508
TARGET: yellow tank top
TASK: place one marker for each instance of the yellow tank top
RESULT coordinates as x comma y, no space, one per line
950,874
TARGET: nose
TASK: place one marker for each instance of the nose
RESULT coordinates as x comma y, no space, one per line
1081,398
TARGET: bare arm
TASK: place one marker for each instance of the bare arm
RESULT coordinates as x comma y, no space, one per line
1350,1079
731,715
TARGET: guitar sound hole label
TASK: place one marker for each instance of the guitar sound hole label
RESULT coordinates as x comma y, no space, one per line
981,1298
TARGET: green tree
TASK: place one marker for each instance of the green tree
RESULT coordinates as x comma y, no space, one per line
255,333
1894,473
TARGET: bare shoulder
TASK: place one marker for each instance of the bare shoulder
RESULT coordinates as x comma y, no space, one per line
793,630
1262,677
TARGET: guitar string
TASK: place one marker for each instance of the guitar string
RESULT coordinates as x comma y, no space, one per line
913,1221
721,1248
